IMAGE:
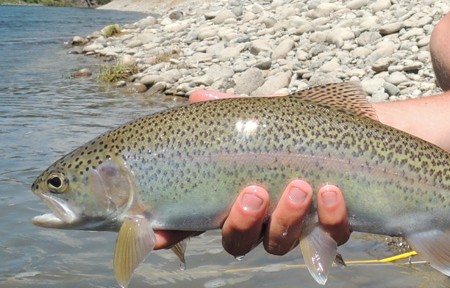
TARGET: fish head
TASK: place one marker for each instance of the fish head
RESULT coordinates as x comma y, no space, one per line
85,191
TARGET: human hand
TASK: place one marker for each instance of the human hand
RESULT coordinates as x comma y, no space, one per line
243,228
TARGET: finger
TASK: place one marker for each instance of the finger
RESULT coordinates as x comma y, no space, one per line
206,95
285,226
242,229
167,238
333,213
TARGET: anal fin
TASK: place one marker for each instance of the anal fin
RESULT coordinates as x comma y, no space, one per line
319,252
179,249
433,246
135,241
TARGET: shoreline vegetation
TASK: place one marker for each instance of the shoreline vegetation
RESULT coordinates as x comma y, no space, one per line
55,3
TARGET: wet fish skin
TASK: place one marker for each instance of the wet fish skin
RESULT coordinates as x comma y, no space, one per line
182,169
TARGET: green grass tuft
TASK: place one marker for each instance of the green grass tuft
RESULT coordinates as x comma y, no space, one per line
116,72
111,30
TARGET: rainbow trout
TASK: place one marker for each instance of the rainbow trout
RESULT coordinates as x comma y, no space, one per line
181,169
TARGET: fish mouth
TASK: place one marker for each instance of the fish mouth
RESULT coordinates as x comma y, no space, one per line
61,217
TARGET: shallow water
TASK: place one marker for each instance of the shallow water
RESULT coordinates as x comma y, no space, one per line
44,114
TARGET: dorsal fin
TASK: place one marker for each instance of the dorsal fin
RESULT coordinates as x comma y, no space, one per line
347,97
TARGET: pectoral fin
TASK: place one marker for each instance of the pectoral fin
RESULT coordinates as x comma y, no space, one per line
135,241
434,246
319,251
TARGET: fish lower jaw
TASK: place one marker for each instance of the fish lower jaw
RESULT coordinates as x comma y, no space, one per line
62,215
48,220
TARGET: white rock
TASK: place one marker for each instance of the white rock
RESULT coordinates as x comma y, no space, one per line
370,23
397,78
248,81
384,49
148,37
203,80
166,21
324,9
240,66
237,10
413,32
424,41
308,27
321,78
156,89
380,96
209,15
171,76
146,22
230,52
184,87
222,16
216,71
339,35
330,66
410,66
283,49
134,43
177,26
256,8
150,80
206,32
268,21
137,88
424,21
248,16
92,47
302,55
128,60
359,73
367,38
318,37
263,64
391,89
276,3
282,92
391,28
423,56
356,4
273,83
78,40
380,5
110,51
361,52
259,45
373,85
381,64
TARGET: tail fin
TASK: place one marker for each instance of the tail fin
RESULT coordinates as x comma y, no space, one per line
434,246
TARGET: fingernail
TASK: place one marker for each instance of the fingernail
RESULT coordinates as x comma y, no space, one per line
329,197
251,202
296,195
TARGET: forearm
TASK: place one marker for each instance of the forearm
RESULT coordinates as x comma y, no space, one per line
427,117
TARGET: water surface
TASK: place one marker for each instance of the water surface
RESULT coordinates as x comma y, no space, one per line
44,114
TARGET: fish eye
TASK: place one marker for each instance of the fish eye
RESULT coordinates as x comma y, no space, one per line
57,183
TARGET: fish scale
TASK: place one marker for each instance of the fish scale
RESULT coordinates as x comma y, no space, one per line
181,169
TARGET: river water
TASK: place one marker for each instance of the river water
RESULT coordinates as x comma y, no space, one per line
44,113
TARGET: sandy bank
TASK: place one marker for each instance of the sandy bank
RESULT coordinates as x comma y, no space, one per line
147,6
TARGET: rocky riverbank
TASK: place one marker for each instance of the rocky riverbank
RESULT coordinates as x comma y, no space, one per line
265,47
